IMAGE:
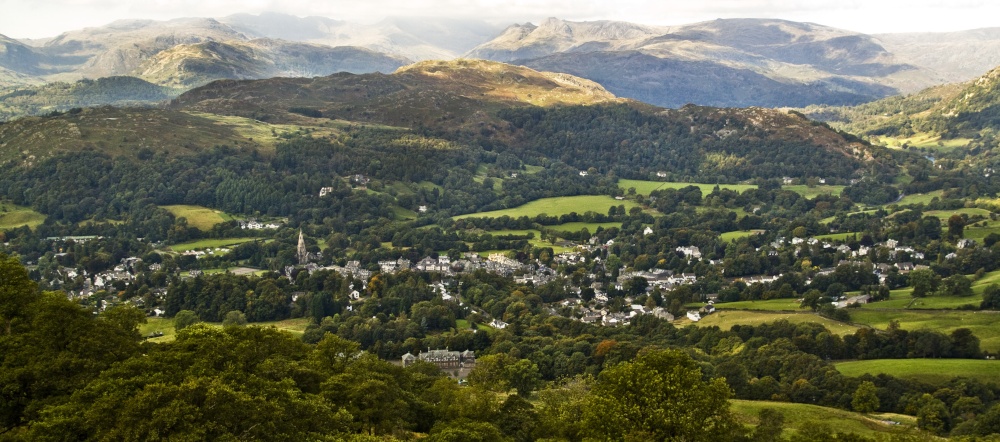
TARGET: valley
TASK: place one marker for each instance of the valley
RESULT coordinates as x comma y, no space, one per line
390,241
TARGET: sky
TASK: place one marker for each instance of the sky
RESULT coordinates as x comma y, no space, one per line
47,18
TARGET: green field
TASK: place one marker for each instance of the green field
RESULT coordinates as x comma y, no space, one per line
770,305
920,198
813,192
535,242
733,236
725,319
837,236
943,215
984,324
799,416
201,218
924,140
13,216
578,226
932,371
645,187
209,243
296,326
558,206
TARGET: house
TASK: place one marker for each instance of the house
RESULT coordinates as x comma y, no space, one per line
498,324
443,359
324,191
662,313
583,173
693,316
965,243
690,251
422,209
661,174
647,231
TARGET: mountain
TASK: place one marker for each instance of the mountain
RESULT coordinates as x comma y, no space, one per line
61,96
737,62
122,46
17,57
956,56
960,110
191,65
421,38
438,93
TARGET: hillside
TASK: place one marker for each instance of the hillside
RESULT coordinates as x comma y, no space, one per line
960,110
59,96
956,56
421,38
736,62
197,64
426,93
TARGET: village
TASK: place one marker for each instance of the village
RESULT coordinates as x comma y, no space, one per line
606,304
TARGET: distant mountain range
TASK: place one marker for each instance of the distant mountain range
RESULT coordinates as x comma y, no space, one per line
739,62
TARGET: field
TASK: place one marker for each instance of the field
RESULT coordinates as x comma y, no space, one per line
984,324
725,319
733,236
13,216
645,187
920,198
813,192
932,371
201,218
265,134
925,140
771,305
799,416
535,242
943,215
837,236
557,206
578,226
295,326
209,243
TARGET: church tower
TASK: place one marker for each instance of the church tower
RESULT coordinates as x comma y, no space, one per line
302,254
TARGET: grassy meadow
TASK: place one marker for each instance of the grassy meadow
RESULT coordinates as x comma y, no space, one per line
645,187
557,206
932,371
13,216
199,217
726,319
296,326
209,243
800,416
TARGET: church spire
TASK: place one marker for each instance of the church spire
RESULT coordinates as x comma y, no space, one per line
302,254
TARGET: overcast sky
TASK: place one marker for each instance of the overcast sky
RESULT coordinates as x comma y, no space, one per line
44,18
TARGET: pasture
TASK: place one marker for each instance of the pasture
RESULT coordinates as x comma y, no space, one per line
645,187
13,216
557,206
812,192
932,371
726,319
984,324
209,243
296,326
800,416
199,217
733,236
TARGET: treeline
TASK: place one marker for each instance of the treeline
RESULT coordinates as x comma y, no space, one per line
631,143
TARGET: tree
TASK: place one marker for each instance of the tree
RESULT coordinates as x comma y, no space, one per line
659,396
865,398
234,318
955,285
17,290
924,282
502,372
184,319
956,226
991,298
